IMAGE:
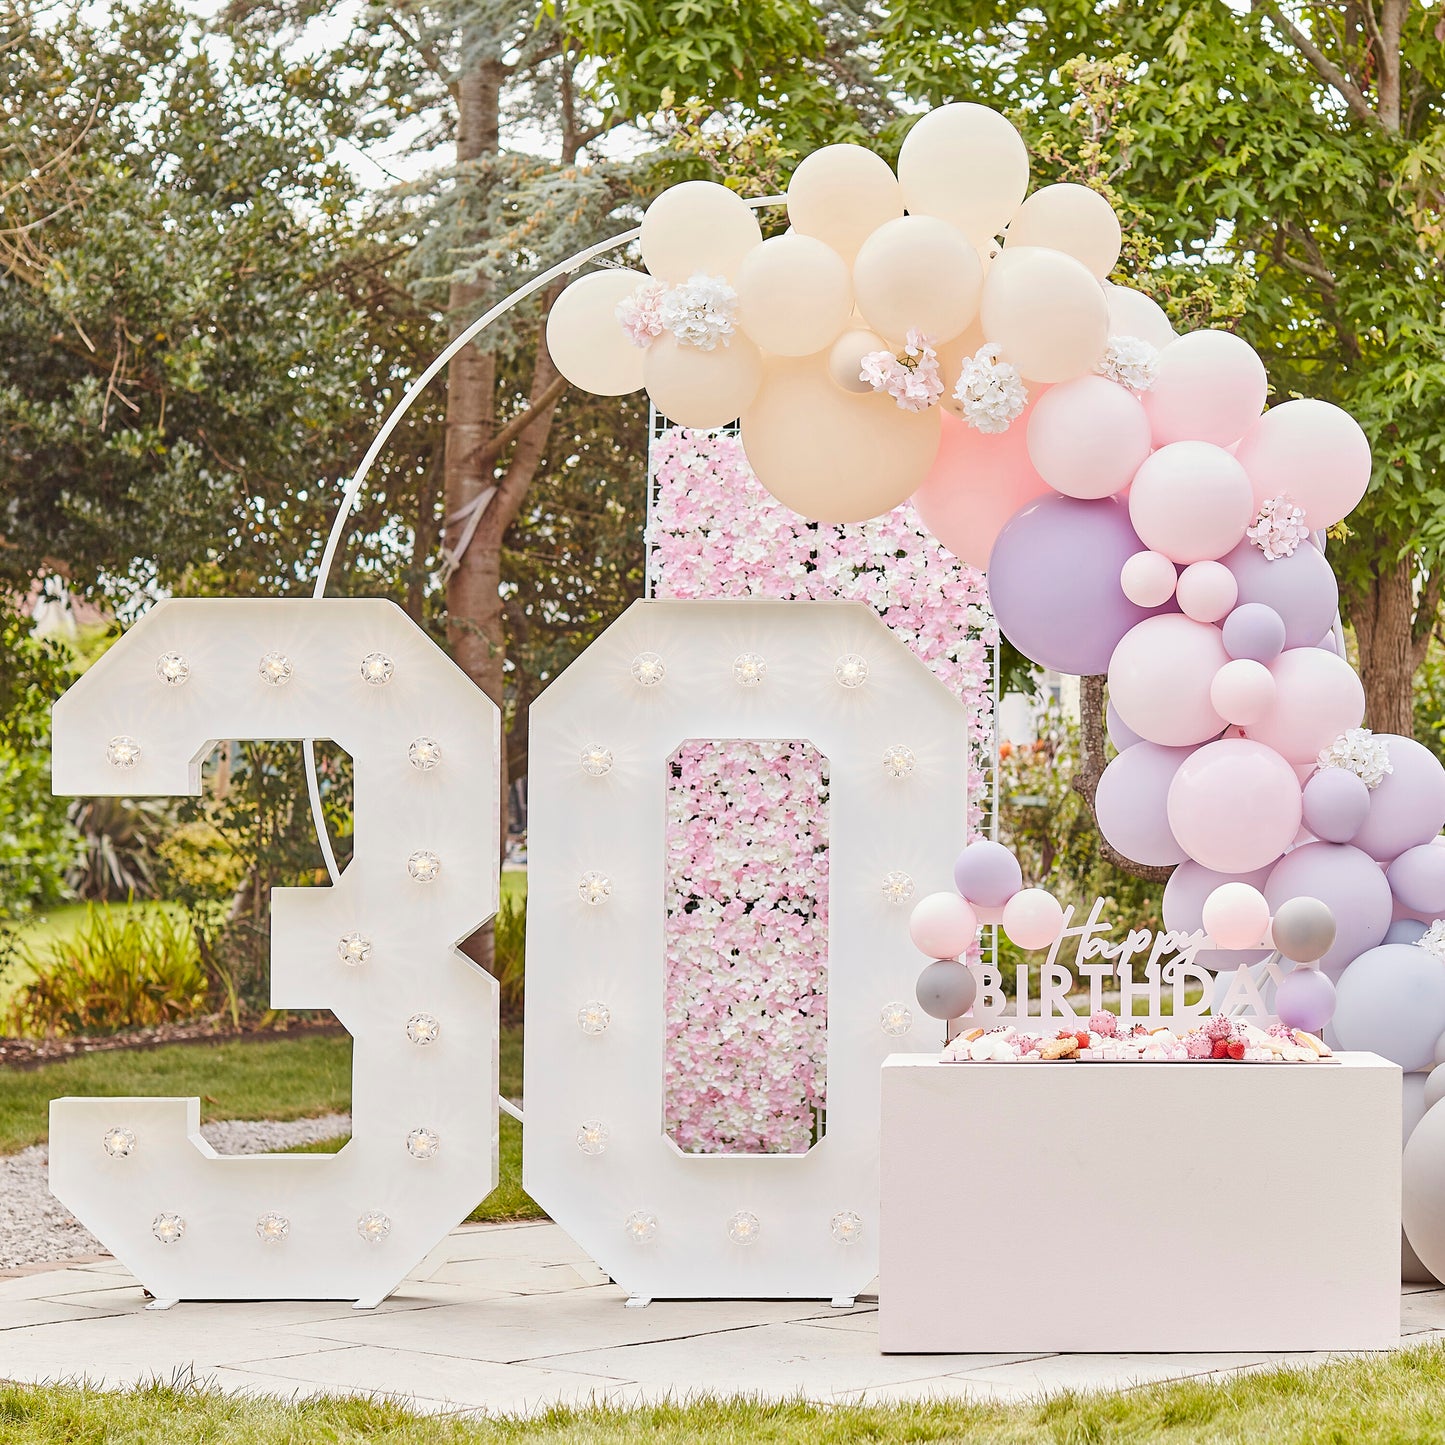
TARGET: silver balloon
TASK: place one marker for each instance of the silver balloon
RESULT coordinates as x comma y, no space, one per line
1424,1187
1303,929
1406,930
1412,1110
946,989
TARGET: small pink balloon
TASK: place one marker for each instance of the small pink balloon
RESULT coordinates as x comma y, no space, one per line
1236,916
1088,437
1242,691
1191,501
1317,697
1148,579
1234,805
1033,918
1312,451
1207,591
1160,676
942,925
1210,387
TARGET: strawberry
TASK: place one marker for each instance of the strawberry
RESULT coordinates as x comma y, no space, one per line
1221,1049
1236,1049
1083,1038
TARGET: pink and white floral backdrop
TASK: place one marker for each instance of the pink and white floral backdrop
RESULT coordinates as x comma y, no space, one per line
747,929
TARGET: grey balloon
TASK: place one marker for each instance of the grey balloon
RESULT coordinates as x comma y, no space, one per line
1412,1271
946,989
1424,1187
1303,929
1391,1001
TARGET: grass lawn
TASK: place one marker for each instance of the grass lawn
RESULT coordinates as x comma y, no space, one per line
1396,1398
279,1078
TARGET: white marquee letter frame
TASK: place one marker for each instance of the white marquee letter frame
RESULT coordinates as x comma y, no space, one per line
447,1087
613,953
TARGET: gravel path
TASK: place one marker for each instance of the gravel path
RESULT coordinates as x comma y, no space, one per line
36,1227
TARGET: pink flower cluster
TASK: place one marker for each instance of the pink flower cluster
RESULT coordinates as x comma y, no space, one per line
911,377
747,827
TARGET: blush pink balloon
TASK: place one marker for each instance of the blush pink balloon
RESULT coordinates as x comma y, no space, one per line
942,925
1210,387
1242,691
1191,501
1033,918
1148,579
1234,805
1207,591
1236,916
1317,697
977,483
1088,437
1160,676
1314,452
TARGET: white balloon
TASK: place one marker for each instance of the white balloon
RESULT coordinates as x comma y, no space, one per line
1131,313
585,339
1072,219
967,165
698,228
841,194
794,295
919,272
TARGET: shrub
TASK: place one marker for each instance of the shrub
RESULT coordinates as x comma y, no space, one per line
508,962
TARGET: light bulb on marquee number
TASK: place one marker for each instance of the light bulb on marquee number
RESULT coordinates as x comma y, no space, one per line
422,1143
353,949
423,1029
897,886
276,669
596,760
594,888
272,1228
425,754
172,669
123,752
898,761
592,1137
168,1228
423,865
377,669
648,669
845,1227
851,670
118,1142
743,1227
593,1018
895,1019
373,1226
749,669
641,1225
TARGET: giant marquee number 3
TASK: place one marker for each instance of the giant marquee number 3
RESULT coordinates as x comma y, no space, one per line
378,949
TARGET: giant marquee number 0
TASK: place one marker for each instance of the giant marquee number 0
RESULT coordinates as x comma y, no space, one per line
378,949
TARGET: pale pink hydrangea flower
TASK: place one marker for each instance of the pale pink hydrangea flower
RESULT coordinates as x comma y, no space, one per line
1278,528
911,377
638,316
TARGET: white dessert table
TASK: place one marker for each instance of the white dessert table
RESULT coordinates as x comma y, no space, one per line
1139,1207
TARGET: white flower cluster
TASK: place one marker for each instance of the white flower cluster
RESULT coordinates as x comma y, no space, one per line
1278,528
1362,753
991,391
1130,361
701,312
1433,939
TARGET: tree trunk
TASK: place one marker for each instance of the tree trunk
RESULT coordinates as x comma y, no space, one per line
1383,615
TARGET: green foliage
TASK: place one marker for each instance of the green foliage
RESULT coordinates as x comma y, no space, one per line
120,842
119,970
1430,699
509,930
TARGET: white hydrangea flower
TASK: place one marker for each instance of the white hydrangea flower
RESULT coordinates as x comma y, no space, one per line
1130,361
991,391
1362,753
701,312
1433,939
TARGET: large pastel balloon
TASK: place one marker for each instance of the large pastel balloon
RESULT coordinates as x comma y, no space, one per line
1423,1187
1122,737
1033,918
1207,591
845,359
794,295
1236,915
841,194
586,343
1318,696
918,272
1072,219
831,456
967,165
1312,452
942,925
1210,387
1407,807
1190,501
1417,879
1350,884
1148,579
1131,313
1184,895
1420,1197
1088,437
1053,580
1391,1001
1131,803
978,481
1301,588
1160,674
1336,804
1046,312
1234,805
1254,631
987,874
1242,691
1305,999
700,388
698,227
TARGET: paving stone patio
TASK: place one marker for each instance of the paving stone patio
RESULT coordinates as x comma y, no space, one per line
513,1318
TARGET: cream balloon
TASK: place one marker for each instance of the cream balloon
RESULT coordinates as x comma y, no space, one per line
794,295
1072,219
919,272
698,228
585,339
1047,312
830,456
841,194
967,165
1131,313
699,388
845,360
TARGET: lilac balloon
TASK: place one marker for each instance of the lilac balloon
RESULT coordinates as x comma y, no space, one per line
1132,801
1053,579
1120,734
1305,999
1254,631
1405,930
1408,805
1391,1001
1349,883
1301,588
1336,803
1184,894
987,873
1417,878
